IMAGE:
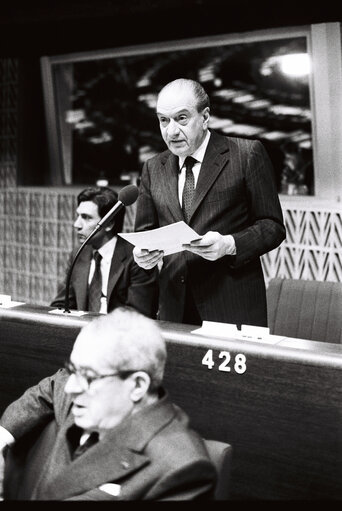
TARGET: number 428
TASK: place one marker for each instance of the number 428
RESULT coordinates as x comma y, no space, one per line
239,366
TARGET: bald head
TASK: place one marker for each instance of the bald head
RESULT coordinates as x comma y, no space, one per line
184,85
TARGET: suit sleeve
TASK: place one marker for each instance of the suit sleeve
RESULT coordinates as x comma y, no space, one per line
34,408
266,230
143,290
146,217
193,481
59,299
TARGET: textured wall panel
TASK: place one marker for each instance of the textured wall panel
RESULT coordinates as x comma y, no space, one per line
38,236
8,121
313,246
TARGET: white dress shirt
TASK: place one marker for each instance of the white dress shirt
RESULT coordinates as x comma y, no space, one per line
6,438
198,155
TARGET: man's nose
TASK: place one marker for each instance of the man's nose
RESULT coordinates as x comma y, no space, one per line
173,128
78,223
73,386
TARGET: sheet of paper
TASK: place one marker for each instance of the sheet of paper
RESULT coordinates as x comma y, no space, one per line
229,331
268,339
169,238
258,334
9,305
5,299
254,331
71,313
216,329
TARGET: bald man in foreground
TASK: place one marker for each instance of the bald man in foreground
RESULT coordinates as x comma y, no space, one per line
108,430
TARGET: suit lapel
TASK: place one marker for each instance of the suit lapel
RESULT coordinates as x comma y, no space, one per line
117,266
116,456
59,456
169,182
107,461
215,158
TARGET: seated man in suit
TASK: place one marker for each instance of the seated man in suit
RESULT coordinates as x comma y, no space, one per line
105,274
111,389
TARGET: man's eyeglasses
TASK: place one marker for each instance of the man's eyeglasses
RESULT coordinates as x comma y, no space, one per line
85,378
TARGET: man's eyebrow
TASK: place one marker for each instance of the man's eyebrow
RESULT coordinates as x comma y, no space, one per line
82,368
87,368
180,112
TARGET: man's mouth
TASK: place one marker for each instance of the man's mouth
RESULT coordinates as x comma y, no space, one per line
77,409
177,142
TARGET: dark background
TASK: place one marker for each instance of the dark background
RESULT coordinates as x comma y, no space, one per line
35,28
29,30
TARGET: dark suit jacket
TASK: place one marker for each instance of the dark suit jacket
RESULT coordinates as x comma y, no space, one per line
151,455
235,194
128,284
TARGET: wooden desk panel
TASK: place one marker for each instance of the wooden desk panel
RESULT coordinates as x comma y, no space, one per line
282,415
33,344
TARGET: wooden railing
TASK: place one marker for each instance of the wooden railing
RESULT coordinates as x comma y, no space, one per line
278,403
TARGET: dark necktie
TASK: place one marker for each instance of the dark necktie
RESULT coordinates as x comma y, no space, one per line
189,187
91,440
95,287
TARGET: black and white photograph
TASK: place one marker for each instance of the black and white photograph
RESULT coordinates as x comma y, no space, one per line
171,251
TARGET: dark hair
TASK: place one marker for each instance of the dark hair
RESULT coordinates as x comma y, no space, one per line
201,95
105,198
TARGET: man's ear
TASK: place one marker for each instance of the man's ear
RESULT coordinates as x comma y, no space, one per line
206,116
142,383
109,227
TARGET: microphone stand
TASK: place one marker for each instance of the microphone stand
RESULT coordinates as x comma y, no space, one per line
126,197
68,279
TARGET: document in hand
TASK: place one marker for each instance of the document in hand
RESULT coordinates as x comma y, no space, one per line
169,238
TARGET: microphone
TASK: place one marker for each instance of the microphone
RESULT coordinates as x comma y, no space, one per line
127,196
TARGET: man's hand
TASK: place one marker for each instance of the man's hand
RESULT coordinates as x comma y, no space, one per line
147,259
212,246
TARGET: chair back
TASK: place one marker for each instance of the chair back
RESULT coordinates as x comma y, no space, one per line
305,309
220,454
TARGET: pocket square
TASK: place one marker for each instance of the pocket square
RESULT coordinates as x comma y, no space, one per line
111,488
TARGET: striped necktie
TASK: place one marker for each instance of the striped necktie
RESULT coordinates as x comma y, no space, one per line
189,187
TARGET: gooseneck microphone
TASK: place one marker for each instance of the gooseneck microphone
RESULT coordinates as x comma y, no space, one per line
127,196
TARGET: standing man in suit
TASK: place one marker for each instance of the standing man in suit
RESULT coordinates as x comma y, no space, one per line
105,274
226,193
108,430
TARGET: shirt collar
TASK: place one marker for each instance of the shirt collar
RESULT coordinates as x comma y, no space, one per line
198,154
107,249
